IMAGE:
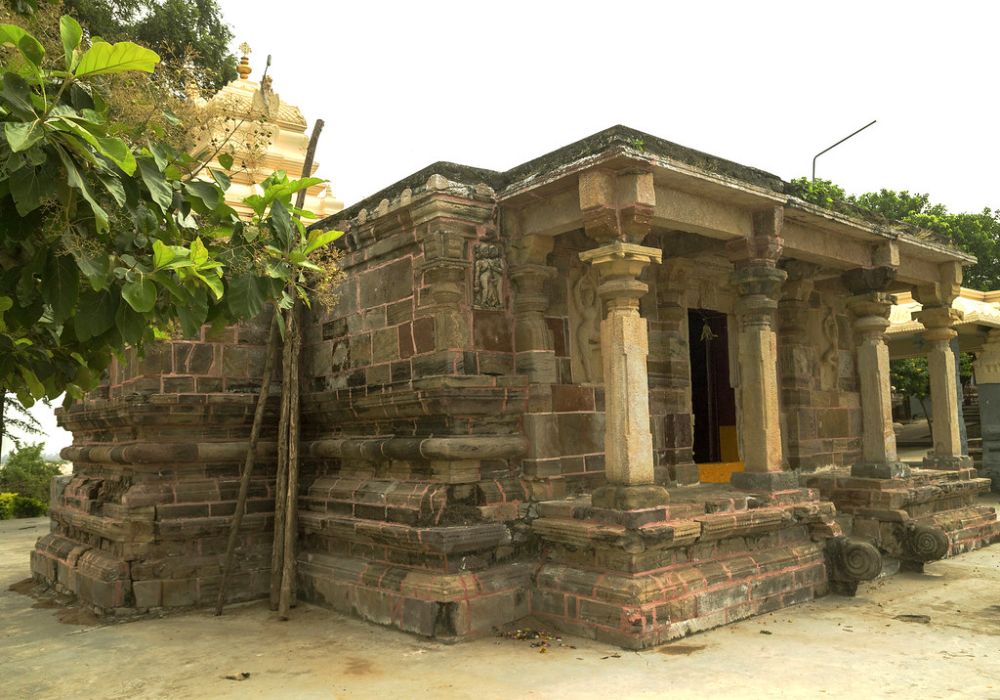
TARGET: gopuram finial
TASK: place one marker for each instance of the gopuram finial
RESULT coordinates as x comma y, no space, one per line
244,68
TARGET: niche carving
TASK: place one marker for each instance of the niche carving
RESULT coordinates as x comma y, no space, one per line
585,311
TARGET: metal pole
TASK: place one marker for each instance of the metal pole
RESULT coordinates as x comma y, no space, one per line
838,143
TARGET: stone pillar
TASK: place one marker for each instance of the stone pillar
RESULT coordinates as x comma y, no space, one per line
759,287
533,345
941,365
758,283
988,383
628,444
879,459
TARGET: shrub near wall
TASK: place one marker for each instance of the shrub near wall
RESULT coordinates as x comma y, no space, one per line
14,505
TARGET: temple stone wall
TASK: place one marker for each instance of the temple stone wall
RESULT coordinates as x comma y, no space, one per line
412,511
821,403
157,455
564,422
492,409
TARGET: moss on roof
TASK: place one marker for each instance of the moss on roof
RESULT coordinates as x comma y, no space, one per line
621,137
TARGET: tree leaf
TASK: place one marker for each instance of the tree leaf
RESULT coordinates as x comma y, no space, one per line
114,187
6,303
23,42
103,58
204,193
18,96
61,286
192,315
95,268
244,296
141,294
74,179
172,118
130,324
319,239
71,35
29,189
112,148
221,179
31,380
281,222
226,160
162,255
23,135
118,152
159,188
94,315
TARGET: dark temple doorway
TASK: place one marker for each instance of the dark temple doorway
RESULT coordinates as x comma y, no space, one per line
713,400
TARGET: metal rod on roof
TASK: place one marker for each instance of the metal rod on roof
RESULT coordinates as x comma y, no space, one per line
838,143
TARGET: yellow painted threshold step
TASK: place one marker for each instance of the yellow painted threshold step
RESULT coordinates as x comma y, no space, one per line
718,472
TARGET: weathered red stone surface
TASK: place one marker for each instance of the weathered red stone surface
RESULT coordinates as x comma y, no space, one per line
454,420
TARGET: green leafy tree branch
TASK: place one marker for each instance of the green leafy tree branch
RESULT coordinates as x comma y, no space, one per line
106,243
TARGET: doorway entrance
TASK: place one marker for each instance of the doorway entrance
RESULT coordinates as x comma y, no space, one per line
713,400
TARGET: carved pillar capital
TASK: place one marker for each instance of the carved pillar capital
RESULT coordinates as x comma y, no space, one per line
871,314
759,288
618,266
938,322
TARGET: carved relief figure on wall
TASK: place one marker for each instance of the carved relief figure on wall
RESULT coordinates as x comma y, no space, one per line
488,282
585,328
831,355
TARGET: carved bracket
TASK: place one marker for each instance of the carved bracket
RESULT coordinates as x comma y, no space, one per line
617,205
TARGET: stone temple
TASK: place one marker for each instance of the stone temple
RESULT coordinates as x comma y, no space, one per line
628,388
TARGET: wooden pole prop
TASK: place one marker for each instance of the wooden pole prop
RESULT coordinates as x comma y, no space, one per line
287,596
248,464
281,482
293,340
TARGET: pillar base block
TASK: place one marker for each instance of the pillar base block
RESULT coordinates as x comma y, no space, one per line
887,470
686,474
765,481
947,463
621,497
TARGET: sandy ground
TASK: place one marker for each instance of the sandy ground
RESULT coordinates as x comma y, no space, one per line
834,647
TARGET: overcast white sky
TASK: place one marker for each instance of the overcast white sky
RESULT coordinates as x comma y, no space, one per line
768,84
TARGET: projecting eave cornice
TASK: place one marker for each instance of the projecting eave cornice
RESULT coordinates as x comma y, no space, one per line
668,173
813,216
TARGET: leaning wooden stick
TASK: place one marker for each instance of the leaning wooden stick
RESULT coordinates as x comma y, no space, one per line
248,464
286,599
281,482
290,446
